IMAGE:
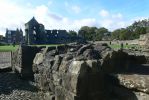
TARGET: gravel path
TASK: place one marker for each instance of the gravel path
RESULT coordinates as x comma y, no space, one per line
13,88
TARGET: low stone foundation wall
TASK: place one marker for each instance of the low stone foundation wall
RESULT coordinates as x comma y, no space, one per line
5,61
22,60
72,73
84,72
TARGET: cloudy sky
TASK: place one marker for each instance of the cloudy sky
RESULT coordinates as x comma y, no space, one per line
72,14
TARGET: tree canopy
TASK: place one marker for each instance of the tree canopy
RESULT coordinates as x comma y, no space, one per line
72,33
131,32
92,33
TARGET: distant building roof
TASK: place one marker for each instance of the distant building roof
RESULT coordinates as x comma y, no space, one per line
33,21
11,32
48,31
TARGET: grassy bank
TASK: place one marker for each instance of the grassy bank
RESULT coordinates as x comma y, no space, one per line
48,45
8,48
118,46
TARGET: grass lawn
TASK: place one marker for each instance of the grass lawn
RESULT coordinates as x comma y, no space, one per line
11,48
8,48
113,46
118,46
48,45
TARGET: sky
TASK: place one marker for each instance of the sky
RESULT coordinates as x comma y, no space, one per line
72,14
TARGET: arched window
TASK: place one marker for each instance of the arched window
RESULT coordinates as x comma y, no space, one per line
34,28
34,32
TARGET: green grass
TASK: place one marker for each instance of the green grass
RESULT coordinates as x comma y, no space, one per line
48,45
8,48
118,46
11,48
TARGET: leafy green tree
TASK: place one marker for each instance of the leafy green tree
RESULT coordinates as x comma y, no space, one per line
92,31
87,32
115,34
140,30
100,33
133,31
124,34
72,33
83,32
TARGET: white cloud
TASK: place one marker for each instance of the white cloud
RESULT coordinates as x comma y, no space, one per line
118,15
112,24
12,15
76,9
138,18
72,8
112,21
50,2
66,23
15,16
41,12
104,13
106,23
29,4
76,24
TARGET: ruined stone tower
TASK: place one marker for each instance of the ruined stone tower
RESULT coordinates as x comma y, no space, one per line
34,32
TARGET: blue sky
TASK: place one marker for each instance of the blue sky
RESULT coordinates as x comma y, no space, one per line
72,14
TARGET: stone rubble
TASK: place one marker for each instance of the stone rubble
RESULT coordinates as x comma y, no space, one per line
80,74
86,72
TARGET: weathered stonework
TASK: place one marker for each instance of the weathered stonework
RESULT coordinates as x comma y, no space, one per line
144,39
70,74
88,72
22,60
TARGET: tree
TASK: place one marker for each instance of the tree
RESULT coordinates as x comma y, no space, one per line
115,34
73,33
140,30
100,33
133,31
124,34
1,37
92,32
121,34
87,33
83,32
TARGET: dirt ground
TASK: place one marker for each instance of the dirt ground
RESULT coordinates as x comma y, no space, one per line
13,88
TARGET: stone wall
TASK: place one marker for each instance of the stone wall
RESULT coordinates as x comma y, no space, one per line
22,60
85,72
143,40
69,73
129,42
5,61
